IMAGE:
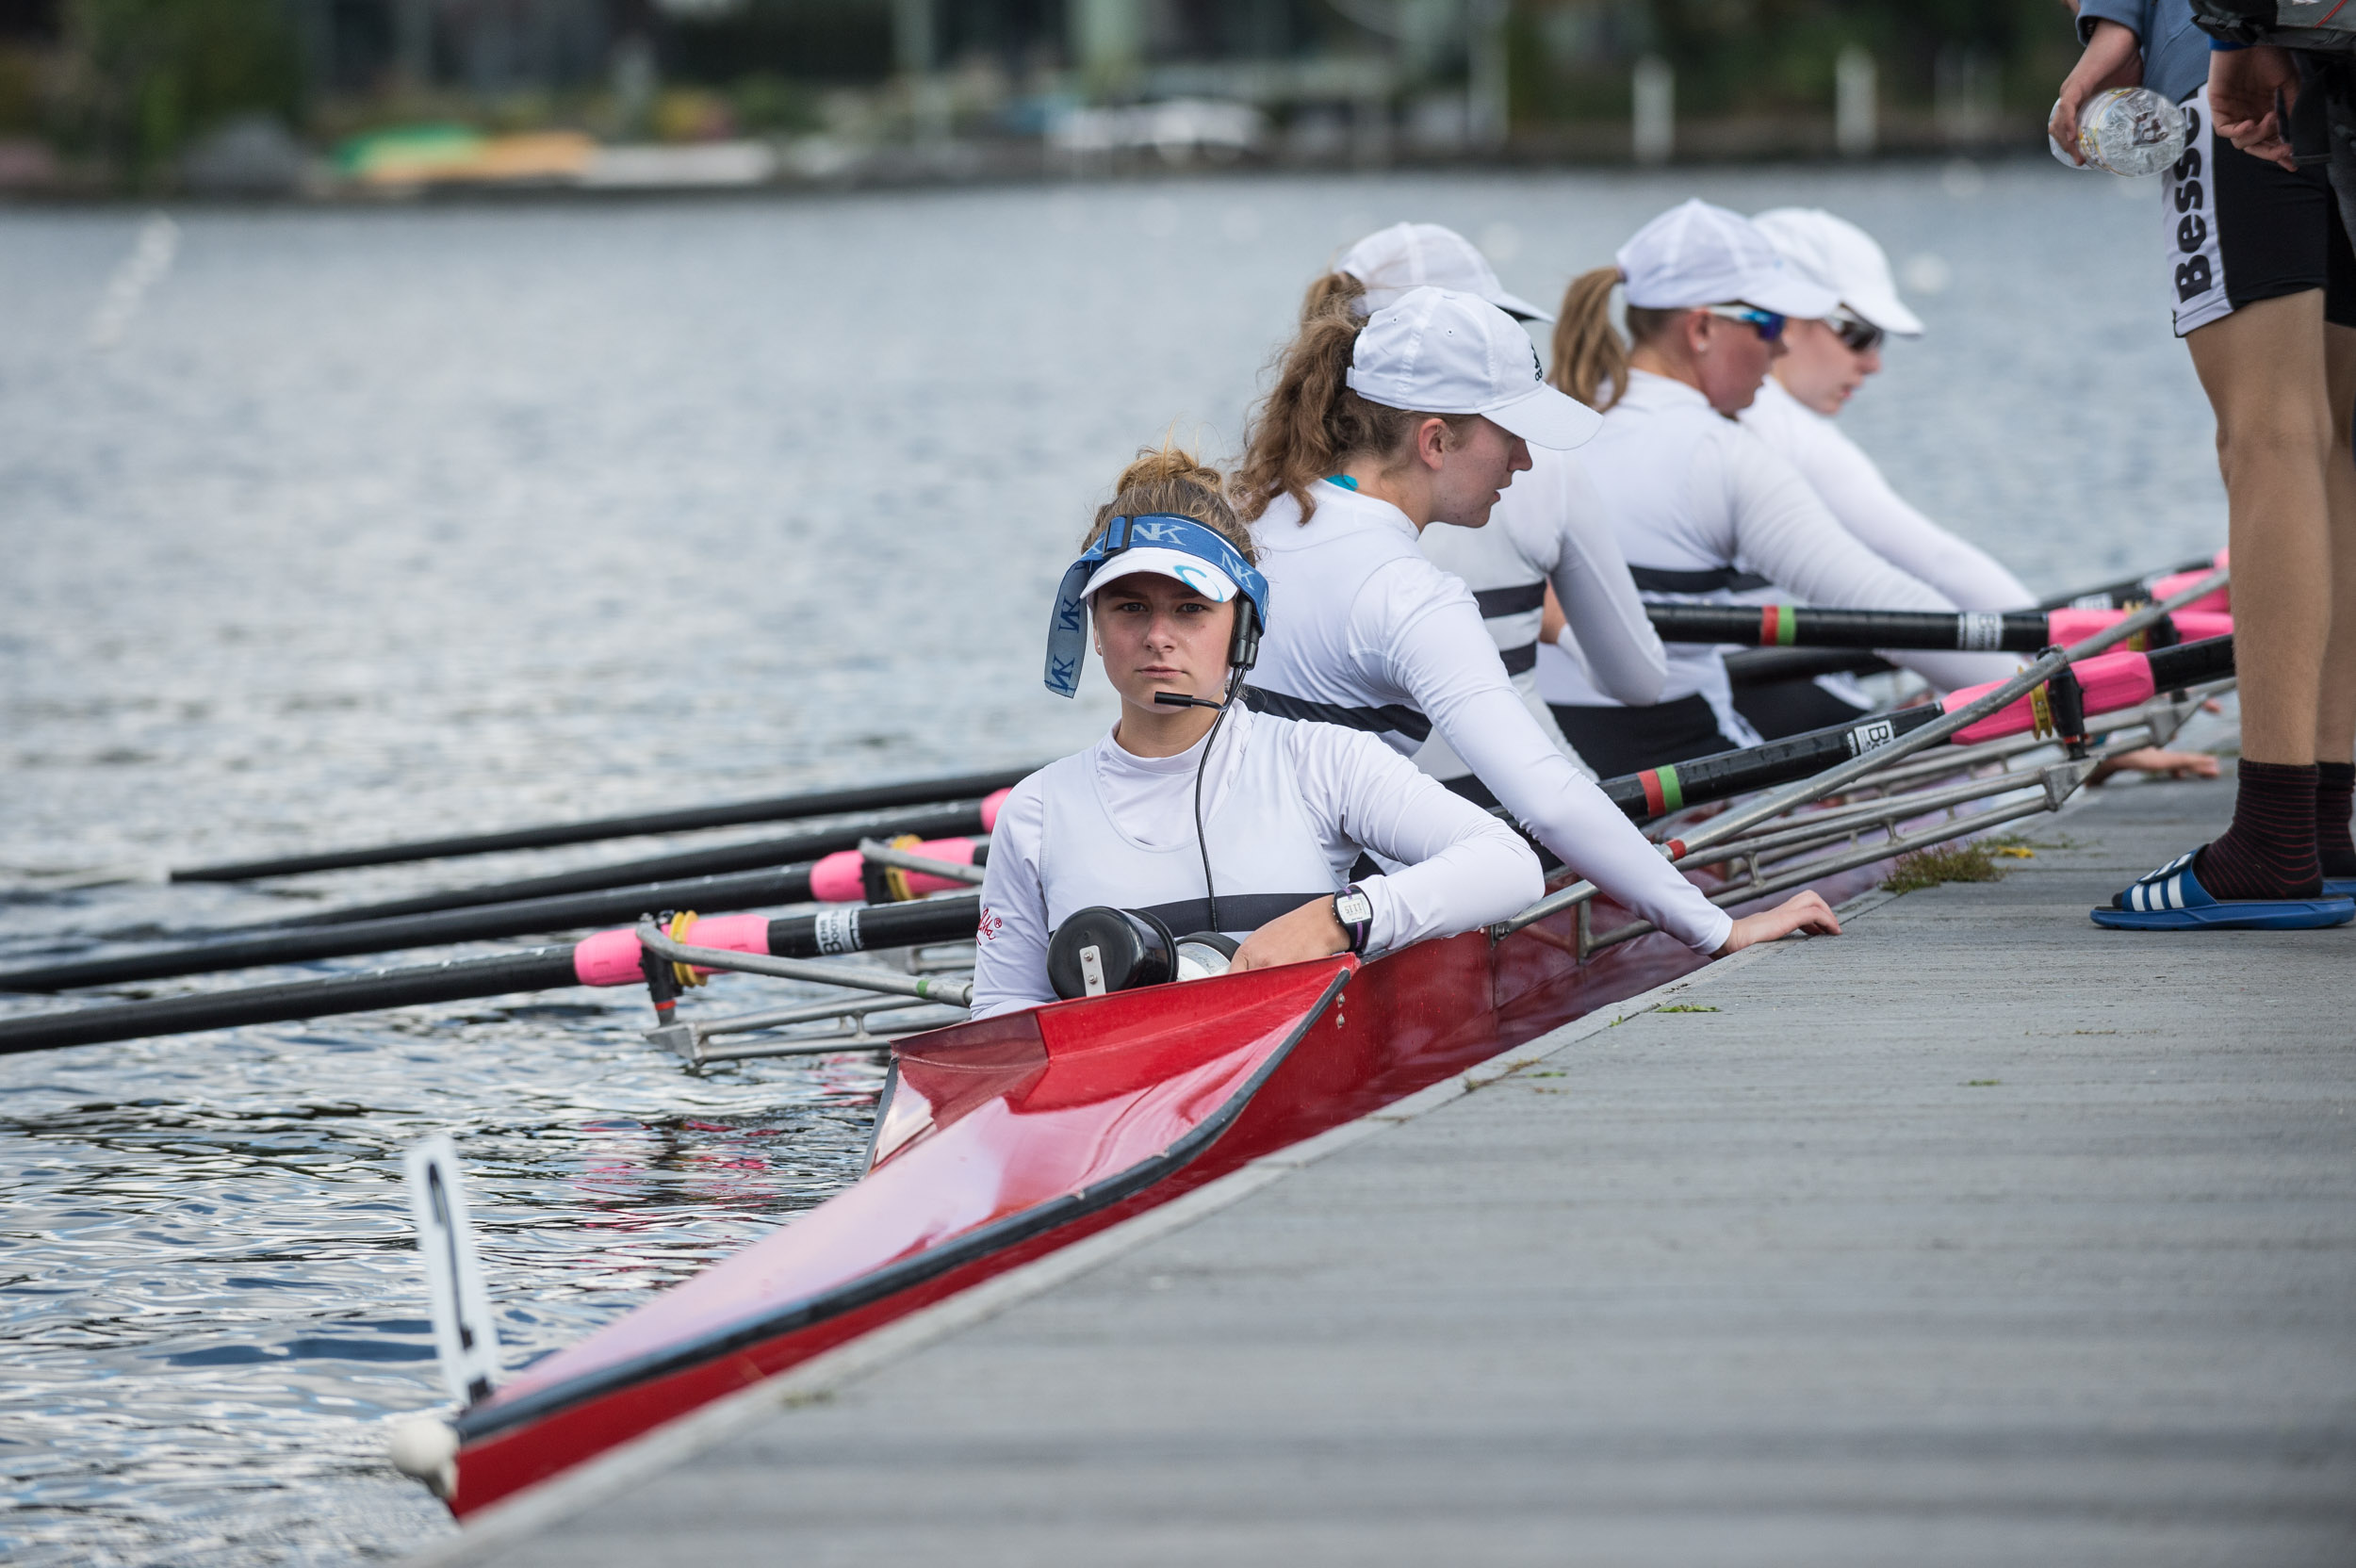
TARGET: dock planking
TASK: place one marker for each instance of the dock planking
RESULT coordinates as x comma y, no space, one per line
1977,1234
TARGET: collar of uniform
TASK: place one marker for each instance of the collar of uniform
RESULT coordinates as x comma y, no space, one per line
1342,501
1649,390
1114,757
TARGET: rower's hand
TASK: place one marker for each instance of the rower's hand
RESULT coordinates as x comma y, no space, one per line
2249,92
2112,58
1309,932
1806,911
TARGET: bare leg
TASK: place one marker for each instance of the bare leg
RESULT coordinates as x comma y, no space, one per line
2263,367
2336,722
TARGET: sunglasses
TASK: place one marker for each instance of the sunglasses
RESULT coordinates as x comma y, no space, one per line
1766,322
1857,335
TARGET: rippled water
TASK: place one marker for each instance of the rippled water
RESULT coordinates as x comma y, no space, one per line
382,523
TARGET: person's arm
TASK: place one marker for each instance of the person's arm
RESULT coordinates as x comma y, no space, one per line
2113,57
1460,867
1852,488
1593,597
2249,92
1783,531
1010,944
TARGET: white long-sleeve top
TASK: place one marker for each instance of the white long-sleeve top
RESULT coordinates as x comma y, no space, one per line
1550,527
1365,631
1690,491
1852,488
1460,867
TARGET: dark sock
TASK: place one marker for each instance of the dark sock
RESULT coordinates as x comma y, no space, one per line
2269,851
2335,787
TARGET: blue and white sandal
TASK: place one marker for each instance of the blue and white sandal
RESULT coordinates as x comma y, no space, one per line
2173,899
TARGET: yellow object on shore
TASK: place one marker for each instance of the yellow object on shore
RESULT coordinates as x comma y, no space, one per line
453,154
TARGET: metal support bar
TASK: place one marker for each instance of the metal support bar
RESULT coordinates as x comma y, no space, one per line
650,937
881,854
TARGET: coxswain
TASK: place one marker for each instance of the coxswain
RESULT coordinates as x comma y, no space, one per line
1827,361
1706,511
1202,813
1547,531
1376,429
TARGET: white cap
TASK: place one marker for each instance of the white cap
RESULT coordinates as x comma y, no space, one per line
1411,255
1438,351
1191,570
1698,254
1842,257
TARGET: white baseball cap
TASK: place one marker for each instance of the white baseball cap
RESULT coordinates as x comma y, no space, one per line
1411,255
1438,351
1842,258
1698,254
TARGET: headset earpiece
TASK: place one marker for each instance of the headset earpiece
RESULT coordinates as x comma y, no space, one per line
1243,646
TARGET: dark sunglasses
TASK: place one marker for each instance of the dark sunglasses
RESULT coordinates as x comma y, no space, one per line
1857,335
1766,322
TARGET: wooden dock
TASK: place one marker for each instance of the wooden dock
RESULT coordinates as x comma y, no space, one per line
1978,1235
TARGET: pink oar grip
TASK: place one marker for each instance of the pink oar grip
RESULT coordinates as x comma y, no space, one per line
610,958
2075,626
991,807
2218,603
2112,682
840,878
837,879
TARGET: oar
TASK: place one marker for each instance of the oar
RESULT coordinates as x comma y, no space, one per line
2109,682
608,958
926,822
1766,666
1770,626
920,792
837,878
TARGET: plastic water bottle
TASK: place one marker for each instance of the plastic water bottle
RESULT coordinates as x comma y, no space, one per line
2128,130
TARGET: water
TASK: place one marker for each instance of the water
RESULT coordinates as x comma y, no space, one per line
341,526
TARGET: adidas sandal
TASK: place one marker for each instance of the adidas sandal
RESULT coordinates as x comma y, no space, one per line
2173,899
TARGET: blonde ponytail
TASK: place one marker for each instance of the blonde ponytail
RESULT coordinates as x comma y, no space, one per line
1591,360
1336,292
1312,424
1172,482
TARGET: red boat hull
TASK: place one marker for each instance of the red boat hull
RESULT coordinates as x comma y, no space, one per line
1400,1024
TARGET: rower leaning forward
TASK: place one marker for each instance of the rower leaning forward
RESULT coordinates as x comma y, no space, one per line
1198,820
1423,413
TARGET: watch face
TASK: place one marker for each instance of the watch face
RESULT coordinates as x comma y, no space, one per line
1351,909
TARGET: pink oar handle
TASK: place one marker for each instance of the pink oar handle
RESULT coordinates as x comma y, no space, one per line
841,877
2075,626
2218,603
2112,682
612,958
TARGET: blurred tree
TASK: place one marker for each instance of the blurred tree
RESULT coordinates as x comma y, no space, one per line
141,77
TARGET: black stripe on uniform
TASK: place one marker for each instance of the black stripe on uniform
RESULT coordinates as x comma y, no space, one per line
1520,599
1653,580
1237,911
1405,720
1519,659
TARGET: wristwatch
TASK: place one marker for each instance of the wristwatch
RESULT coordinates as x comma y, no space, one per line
1356,911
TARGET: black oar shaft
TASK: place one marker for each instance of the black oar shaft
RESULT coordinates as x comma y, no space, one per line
1658,792
939,920
781,808
949,820
2192,663
529,917
1805,626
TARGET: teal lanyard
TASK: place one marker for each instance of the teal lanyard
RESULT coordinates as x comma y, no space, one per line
1342,479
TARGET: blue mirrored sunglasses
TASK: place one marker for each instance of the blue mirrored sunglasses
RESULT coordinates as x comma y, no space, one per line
1766,322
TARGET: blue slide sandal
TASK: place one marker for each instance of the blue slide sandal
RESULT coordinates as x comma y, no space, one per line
2339,887
2173,899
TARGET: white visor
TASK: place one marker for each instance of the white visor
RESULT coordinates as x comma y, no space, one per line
1191,571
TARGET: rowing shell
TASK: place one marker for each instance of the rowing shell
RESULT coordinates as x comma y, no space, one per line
1002,1140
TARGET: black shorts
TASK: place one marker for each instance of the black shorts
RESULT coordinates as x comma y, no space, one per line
1779,707
2241,229
1616,742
